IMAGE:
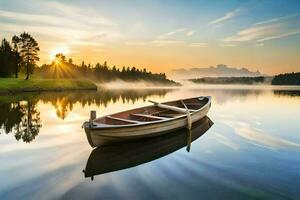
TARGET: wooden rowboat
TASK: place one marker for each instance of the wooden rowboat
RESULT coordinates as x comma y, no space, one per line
113,157
147,121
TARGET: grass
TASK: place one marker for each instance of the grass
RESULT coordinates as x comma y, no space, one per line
11,85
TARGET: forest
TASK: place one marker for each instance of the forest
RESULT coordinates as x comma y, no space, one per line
62,67
20,56
287,79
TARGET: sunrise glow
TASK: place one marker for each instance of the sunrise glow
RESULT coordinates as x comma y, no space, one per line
64,50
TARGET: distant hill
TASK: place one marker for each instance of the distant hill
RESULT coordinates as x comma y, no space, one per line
220,70
287,79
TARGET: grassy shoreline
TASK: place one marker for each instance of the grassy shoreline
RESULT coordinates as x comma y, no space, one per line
12,85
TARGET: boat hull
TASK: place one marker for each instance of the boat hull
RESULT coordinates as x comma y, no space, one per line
98,137
113,157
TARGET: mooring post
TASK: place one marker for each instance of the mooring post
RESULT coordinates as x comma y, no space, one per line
92,115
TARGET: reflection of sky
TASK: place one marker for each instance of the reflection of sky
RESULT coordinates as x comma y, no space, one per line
251,151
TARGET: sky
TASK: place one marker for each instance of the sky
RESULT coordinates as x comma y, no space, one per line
163,35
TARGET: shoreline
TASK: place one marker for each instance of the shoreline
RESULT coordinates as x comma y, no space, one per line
27,90
11,86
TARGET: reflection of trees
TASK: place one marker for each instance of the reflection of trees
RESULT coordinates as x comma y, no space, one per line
22,119
10,115
62,107
294,93
222,96
63,102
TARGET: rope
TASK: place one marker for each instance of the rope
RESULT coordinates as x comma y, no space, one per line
189,127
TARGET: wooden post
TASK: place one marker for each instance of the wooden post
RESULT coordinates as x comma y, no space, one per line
92,115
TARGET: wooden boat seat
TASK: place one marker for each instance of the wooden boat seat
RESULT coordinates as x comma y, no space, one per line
167,115
190,110
193,104
149,116
124,120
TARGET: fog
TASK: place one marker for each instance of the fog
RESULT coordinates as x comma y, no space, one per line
120,84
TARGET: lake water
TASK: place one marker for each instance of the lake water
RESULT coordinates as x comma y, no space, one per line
251,151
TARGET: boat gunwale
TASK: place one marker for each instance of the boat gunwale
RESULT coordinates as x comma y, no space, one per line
107,127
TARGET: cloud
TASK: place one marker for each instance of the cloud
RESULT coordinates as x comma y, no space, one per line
67,24
45,19
71,20
268,30
277,19
227,45
190,33
165,35
279,36
226,17
171,33
180,29
183,32
79,13
135,43
260,44
66,33
198,44
167,42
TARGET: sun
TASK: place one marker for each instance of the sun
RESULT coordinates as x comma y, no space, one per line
56,61
63,49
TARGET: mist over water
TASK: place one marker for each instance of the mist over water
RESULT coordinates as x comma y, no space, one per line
120,84
185,84
251,151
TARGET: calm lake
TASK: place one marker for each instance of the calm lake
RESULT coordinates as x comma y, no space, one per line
252,150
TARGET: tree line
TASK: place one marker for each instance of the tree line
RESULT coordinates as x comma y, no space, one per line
229,80
287,79
62,67
19,54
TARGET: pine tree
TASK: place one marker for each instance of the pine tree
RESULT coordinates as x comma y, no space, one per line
6,59
17,57
29,49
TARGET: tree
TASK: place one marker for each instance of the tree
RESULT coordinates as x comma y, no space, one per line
29,49
60,58
16,55
6,58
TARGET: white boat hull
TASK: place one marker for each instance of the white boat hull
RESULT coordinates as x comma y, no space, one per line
104,135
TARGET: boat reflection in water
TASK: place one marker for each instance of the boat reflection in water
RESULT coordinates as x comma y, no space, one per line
124,155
